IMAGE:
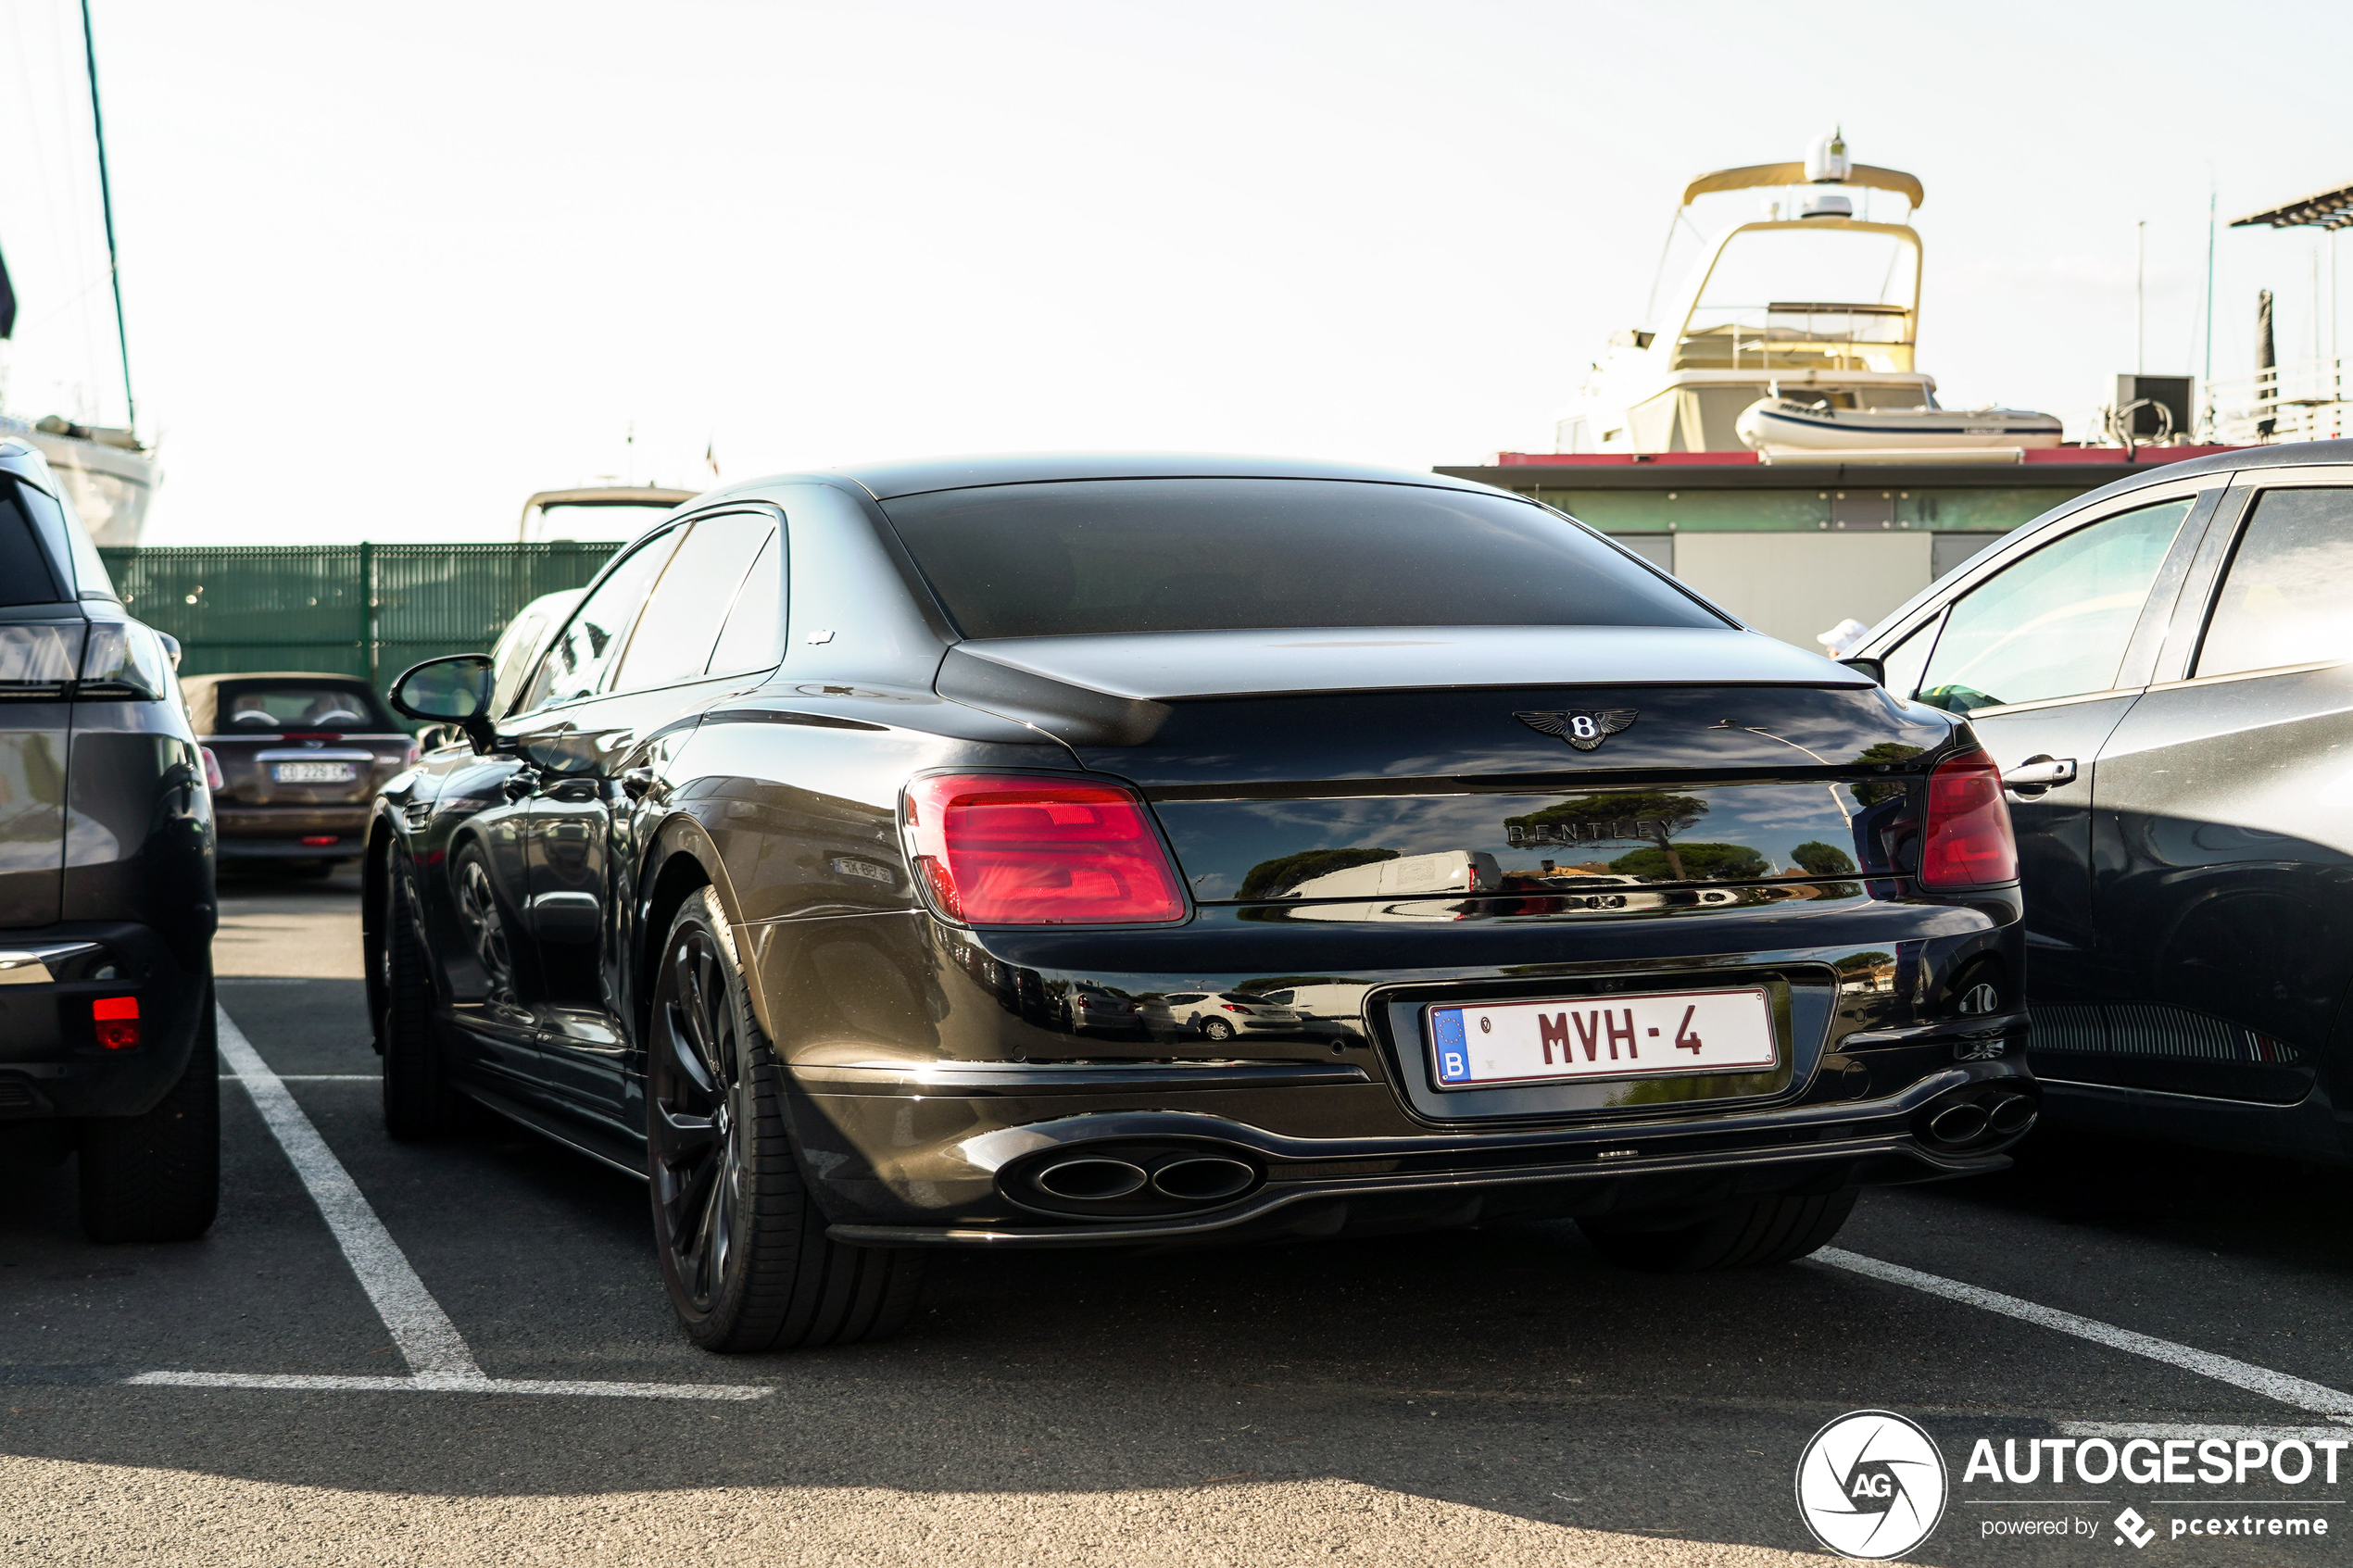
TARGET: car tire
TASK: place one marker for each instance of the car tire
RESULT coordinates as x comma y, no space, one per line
156,1176
417,1102
1754,1234
1217,1028
743,1246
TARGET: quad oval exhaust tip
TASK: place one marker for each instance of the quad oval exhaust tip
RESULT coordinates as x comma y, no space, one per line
1091,1179
1960,1123
2011,1113
1203,1178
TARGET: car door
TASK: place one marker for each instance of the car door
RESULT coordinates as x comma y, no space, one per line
2225,890
2046,648
500,996
713,617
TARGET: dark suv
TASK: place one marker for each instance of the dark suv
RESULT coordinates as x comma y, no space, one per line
105,886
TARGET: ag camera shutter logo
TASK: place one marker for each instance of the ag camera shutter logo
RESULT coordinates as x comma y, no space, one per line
1871,1484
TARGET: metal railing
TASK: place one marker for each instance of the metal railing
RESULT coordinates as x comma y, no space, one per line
343,610
2300,401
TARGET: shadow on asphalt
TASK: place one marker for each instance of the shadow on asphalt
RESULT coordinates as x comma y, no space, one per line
2242,1205
1506,1369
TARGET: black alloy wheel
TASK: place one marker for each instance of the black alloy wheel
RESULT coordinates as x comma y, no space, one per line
418,1101
743,1248
1752,1234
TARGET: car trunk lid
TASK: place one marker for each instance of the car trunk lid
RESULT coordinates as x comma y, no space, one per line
1572,763
305,768
37,662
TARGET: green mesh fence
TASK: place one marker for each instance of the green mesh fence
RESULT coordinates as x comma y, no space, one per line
346,610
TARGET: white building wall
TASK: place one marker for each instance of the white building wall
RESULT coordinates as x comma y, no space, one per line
1796,586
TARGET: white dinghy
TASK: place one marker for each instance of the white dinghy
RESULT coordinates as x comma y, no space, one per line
1795,423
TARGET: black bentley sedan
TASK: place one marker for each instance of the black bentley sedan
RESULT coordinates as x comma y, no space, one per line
2163,671
796,872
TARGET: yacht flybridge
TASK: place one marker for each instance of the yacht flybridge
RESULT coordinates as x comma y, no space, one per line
1794,335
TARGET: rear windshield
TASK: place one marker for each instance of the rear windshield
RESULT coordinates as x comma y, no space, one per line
25,577
1202,554
268,709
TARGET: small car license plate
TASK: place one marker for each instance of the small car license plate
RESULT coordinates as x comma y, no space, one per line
313,773
1658,1036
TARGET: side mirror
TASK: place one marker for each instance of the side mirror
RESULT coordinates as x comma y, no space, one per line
451,691
1875,669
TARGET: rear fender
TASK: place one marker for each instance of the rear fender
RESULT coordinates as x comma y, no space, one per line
681,856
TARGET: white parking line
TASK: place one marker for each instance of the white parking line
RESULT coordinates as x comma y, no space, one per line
2317,1398
438,1359
318,1077
427,1339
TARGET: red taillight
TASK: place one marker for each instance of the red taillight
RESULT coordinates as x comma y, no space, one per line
1967,841
212,779
1231,1007
116,1019
317,840
998,849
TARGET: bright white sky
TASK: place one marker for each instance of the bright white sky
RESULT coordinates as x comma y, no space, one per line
390,270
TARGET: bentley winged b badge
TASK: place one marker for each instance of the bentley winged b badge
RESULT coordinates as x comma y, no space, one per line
1583,729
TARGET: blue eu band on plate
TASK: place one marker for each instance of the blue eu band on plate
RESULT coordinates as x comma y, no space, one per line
1660,1035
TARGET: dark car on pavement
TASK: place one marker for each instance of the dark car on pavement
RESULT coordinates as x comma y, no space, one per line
296,760
107,906
2163,671
766,885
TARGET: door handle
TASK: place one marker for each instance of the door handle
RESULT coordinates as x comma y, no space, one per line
2039,773
636,783
515,785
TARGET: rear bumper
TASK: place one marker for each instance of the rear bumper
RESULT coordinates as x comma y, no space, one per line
50,1064
250,833
949,1190
934,1102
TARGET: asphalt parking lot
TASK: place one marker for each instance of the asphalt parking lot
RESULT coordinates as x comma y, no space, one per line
1497,1396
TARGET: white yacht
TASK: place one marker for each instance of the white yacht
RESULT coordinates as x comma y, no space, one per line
1794,335
108,474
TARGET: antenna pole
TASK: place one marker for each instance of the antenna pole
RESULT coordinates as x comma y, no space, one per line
1659,274
2140,304
106,199
2210,304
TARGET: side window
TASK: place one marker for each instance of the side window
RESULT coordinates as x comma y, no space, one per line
576,661
2284,598
674,638
755,635
1907,660
2056,624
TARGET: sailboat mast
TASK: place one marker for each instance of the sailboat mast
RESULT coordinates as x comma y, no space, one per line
106,201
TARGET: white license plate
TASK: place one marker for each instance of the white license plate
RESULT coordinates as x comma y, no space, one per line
313,773
1618,1036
